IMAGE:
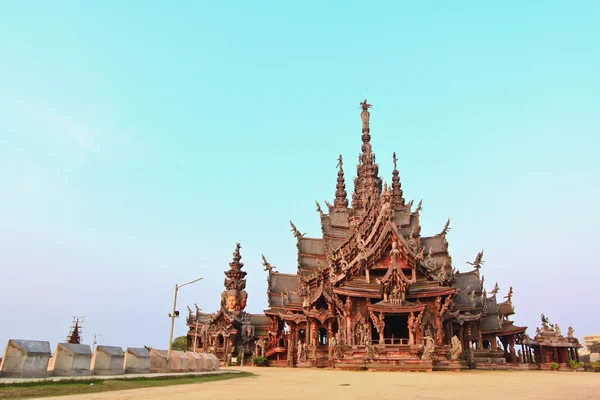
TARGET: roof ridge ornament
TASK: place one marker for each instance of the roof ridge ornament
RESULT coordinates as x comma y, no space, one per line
478,262
297,233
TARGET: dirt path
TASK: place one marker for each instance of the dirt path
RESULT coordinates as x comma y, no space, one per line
311,384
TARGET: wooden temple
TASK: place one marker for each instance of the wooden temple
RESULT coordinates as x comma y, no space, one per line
369,293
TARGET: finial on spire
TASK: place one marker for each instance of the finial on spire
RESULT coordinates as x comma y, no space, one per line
364,115
395,159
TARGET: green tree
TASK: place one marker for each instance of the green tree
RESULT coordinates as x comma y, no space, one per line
180,343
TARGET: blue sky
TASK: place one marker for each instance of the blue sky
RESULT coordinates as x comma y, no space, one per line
139,142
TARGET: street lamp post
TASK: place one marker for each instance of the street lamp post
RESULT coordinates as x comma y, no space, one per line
174,315
94,342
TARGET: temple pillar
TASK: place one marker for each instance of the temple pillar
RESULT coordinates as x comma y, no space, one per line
576,355
555,351
349,335
367,275
479,337
290,345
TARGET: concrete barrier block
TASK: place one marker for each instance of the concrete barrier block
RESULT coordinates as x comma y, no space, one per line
71,360
158,360
212,362
25,359
194,361
179,361
204,362
108,360
137,361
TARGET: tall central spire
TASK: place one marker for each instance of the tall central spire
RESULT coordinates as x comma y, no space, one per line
367,183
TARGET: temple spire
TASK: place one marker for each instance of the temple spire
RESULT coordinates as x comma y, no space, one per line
75,338
233,299
341,201
367,183
397,199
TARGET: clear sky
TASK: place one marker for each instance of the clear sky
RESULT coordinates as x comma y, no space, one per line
139,141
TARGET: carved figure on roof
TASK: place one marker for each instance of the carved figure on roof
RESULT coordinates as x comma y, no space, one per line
364,115
544,322
329,205
319,209
496,289
509,295
419,206
412,242
446,228
478,262
428,347
482,281
297,233
455,348
557,330
267,265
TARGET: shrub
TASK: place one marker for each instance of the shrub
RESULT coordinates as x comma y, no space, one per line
260,361
239,359
554,366
575,364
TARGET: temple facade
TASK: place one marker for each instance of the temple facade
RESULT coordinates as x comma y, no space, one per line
369,293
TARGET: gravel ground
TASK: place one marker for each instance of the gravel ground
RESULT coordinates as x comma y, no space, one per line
313,384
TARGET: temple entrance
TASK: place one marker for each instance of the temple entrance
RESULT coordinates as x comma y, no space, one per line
396,329
220,340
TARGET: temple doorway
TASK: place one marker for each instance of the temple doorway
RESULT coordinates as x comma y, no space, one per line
396,329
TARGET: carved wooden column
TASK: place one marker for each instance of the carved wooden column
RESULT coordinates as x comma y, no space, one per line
367,276
479,337
290,344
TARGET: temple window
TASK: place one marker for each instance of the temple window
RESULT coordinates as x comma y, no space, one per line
321,304
322,337
221,340
302,335
396,329
487,344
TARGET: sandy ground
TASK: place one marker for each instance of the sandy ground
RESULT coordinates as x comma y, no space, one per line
312,384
